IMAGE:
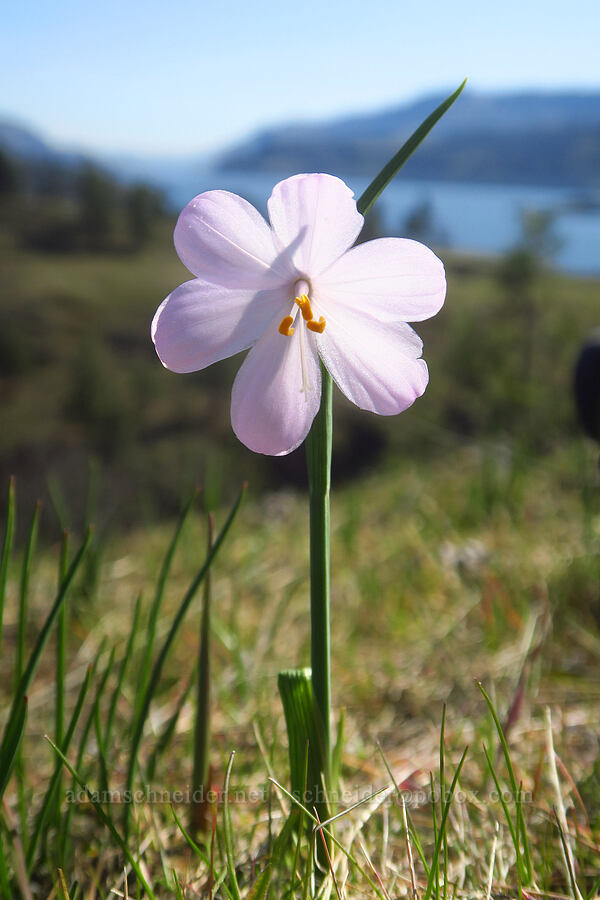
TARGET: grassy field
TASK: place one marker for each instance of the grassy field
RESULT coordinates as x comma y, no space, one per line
465,548
474,568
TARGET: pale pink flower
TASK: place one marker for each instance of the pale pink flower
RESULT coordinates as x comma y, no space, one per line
295,293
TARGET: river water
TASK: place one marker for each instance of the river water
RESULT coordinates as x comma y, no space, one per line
476,218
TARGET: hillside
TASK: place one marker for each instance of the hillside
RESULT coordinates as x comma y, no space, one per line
513,138
522,138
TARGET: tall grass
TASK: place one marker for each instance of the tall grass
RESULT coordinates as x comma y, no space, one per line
423,817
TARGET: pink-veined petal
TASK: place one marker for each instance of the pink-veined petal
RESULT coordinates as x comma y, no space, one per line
272,404
221,238
375,364
391,279
200,323
315,216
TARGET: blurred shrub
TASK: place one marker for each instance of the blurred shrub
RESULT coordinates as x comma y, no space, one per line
99,398
144,206
97,201
10,176
54,229
419,223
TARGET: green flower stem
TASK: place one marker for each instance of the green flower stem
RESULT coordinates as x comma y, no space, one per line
318,458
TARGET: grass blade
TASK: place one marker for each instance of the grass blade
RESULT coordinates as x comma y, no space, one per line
112,708
322,826
500,792
194,847
14,716
200,811
168,732
9,533
21,650
443,794
336,757
66,824
303,725
413,831
442,828
391,169
42,816
158,598
228,833
516,789
158,666
24,590
12,740
105,820
61,645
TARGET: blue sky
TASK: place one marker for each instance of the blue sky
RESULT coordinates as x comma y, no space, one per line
176,76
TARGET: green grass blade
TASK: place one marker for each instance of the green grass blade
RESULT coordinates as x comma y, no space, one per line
158,666
391,169
322,826
280,844
507,815
436,881
308,872
21,650
101,751
301,823
338,747
146,667
14,715
168,732
303,725
442,828
105,820
194,847
9,533
61,645
61,664
112,708
442,795
575,892
50,795
201,749
12,740
228,833
514,786
24,590
66,823
178,891
5,888
413,831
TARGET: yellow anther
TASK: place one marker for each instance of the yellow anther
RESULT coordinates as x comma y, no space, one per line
304,304
285,326
319,326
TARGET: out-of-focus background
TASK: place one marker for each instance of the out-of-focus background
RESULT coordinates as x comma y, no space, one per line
114,115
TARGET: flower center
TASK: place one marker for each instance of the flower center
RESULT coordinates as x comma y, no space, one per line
286,325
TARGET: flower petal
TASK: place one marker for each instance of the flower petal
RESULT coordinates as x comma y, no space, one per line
391,279
221,238
316,217
270,411
375,364
200,323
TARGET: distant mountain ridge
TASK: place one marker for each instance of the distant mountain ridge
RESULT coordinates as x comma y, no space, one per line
533,138
26,144
518,138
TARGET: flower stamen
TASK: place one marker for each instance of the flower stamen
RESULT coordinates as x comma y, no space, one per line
285,326
319,326
305,308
